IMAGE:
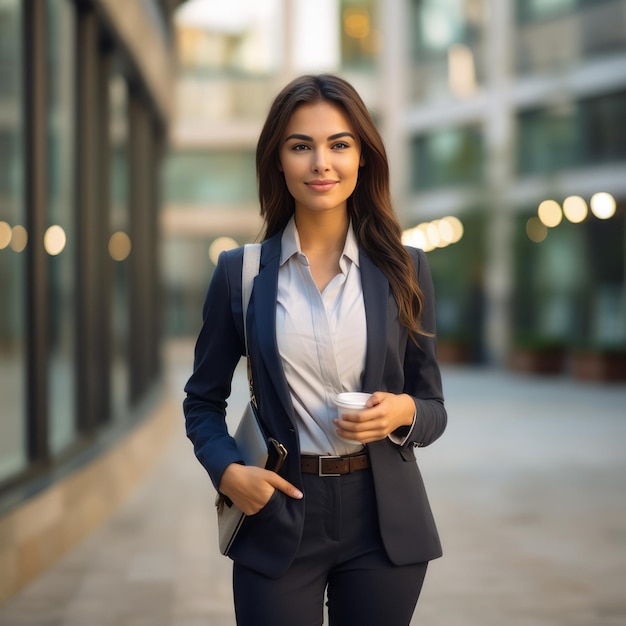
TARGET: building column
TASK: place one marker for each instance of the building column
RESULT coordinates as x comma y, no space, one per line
87,192
393,18
36,179
499,140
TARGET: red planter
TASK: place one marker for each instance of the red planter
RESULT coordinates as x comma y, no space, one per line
452,352
599,366
537,361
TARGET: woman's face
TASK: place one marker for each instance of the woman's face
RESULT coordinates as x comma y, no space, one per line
320,155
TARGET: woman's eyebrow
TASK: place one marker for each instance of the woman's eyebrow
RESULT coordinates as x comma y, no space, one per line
331,138
338,135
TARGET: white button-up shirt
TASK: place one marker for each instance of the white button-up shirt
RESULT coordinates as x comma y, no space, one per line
321,340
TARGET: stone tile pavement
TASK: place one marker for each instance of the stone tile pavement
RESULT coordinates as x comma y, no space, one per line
527,485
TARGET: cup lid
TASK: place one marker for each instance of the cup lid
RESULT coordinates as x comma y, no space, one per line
352,398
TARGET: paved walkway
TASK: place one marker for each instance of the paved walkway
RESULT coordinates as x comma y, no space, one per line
527,485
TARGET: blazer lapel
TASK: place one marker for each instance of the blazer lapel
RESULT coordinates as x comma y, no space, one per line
263,303
375,297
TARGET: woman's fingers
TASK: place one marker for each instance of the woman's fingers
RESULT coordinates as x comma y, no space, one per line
250,487
278,482
386,412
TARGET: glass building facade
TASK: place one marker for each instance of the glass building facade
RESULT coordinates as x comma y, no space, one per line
13,241
82,134
60,231
487,107
227,79
512,103
589,131
229,75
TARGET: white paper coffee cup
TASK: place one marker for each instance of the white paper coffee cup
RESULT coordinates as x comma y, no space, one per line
351,403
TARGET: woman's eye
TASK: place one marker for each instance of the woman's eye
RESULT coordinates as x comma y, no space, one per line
300,146
341,145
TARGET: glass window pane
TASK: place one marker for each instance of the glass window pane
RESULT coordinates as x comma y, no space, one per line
553,35
211,176
575,134
447,157
119,248
604,128
238,39
547,139
570,286
543,9
528,10
61,237
447,40
359,36
13,240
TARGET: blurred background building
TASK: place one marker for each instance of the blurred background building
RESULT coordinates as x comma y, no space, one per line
488,109
505,125
86,99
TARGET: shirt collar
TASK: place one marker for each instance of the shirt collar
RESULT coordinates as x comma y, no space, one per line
290,244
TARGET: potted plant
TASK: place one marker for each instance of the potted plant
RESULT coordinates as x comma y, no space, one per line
537,353
605,363
454,346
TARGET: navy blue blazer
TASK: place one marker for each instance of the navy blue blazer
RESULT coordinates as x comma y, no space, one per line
269,540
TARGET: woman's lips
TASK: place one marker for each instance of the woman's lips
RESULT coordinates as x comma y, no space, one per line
321,185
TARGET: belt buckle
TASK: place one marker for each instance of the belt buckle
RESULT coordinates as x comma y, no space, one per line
319,464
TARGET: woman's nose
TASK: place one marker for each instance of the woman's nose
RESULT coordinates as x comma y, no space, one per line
320,162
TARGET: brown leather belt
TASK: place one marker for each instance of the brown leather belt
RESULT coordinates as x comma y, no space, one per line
334,465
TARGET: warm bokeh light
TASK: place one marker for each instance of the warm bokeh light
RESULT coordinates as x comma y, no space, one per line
436,234
356,23
54,240
5,235
550,213
119,246
461,70
603,205
445,230
414,237
442,231
19,238
429,245
536,230
457,228
575,209
220,245
432,232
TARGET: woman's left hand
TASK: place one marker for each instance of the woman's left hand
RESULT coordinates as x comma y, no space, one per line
385,413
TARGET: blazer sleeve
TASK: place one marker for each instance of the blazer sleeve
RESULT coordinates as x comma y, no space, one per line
218,350
422,377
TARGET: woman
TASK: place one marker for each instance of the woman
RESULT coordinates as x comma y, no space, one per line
338,305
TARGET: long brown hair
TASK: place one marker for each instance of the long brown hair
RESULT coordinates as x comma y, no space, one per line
369,207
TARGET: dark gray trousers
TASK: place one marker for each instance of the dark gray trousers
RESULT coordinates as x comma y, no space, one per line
342,555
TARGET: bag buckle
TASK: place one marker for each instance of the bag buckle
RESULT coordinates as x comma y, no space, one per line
319,465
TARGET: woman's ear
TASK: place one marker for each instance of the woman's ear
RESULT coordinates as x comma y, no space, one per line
362,161
280,166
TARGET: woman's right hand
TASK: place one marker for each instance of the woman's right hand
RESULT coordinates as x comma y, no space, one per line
250,487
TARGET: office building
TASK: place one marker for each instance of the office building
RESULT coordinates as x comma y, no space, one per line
488,108
85,104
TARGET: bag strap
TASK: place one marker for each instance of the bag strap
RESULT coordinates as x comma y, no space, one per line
250,268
